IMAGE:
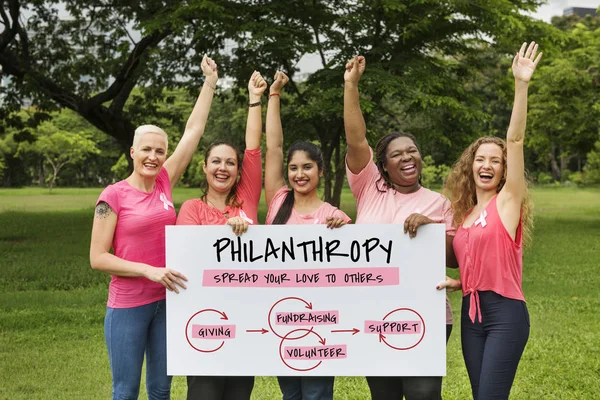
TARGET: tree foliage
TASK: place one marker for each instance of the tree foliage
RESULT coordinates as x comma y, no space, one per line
58,148
565,103
434,68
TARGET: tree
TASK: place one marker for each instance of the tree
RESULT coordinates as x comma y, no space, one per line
565,111
420,55
88,56
58,148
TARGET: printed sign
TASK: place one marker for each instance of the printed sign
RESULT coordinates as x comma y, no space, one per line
306,300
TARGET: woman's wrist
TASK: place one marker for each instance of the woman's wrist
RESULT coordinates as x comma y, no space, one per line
253,98
211,82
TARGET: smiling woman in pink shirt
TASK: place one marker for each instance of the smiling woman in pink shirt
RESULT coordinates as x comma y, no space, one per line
389,191
130,218
231,197
298,205
492,209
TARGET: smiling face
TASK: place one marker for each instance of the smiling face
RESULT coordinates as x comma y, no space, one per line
303,173
221,167
403,163
149,155
488,166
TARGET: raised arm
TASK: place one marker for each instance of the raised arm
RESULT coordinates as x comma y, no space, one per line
359,153
511,195
194,129
274,157
103,230
256,88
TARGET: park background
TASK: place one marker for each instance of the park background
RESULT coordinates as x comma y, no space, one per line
77,77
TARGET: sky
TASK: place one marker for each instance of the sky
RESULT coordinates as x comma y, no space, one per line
556,7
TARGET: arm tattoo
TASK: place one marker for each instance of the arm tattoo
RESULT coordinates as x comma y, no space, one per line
103,210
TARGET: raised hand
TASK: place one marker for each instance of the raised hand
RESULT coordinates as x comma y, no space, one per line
354,69
525,62
256,86
209,68
279,81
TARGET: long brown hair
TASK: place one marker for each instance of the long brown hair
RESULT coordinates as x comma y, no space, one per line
460,186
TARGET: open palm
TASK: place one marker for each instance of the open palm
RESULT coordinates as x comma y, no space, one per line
525,62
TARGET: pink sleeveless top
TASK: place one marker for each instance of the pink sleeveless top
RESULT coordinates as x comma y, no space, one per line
489,259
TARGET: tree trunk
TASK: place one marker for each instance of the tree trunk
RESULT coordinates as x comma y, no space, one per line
340,174
53,180
554,163
41,179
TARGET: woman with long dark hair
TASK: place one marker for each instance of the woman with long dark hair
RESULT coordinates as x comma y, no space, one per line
299,204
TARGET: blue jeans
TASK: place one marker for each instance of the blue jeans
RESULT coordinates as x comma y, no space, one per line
129,333
306,387
493,347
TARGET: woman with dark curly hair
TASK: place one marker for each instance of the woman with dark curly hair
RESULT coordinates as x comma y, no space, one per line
389,191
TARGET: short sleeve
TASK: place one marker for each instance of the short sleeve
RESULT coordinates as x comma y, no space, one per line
340,214
250,185
363,181
448,217
110,196
188,214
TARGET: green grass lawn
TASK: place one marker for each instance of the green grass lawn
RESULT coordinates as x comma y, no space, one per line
52,308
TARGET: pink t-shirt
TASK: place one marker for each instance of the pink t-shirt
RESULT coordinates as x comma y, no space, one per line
378,204
140,237
489,259
318,216
197,212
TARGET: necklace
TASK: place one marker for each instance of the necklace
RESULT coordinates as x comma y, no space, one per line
225,213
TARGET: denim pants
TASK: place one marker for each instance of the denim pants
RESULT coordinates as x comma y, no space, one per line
407,387
129,333
493,347
306,387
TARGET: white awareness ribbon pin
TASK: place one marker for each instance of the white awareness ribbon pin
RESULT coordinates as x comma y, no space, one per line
245,217
166,202
481,220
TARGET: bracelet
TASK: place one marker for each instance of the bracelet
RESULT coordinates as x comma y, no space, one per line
274,94
258,103
210,85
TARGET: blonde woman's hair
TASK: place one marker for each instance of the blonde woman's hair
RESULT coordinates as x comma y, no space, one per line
460,186
143,129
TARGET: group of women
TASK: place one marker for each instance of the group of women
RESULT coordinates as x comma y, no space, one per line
487,222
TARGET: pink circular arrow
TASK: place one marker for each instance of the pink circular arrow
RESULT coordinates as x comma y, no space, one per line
308,332
382,338
223,316
308,305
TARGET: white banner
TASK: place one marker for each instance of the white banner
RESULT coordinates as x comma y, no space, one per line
306,300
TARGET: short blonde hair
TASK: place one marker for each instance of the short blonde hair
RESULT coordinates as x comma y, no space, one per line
143,129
